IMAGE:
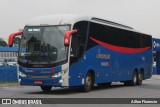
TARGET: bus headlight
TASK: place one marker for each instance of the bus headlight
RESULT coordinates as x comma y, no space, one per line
60,73
21,74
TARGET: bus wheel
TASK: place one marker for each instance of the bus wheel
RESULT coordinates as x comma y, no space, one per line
104,84
88,82
134,80
140,78
127,83
46,88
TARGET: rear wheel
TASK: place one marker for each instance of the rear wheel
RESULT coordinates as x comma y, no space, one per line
46,88
140,78
88,82
134,80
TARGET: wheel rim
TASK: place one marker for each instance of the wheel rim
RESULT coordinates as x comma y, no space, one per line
135,78
88,80
140,76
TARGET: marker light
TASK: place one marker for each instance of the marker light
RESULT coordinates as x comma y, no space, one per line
58,74
21,74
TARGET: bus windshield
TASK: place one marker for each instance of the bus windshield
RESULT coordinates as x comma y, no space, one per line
43,45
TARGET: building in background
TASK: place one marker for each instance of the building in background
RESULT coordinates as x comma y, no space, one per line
8,52
156,56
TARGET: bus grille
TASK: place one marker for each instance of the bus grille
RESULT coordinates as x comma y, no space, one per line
35,76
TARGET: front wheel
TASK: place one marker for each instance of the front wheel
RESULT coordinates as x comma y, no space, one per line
46,88
88,82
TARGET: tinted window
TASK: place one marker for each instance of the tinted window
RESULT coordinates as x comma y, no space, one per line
78,40
118,37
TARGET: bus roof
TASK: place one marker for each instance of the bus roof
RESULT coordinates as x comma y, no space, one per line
58,19
61,19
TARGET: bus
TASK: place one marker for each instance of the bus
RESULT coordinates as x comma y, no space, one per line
68,50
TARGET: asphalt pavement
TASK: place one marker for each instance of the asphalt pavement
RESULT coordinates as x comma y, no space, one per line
149,89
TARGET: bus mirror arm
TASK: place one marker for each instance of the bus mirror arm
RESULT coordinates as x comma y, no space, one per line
11,37
67,36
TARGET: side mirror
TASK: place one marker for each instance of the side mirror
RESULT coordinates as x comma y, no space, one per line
67,36
11,37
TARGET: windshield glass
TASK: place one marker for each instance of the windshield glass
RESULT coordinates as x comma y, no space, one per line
43,45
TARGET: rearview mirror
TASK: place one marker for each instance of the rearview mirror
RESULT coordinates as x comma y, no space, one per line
11,37
67,36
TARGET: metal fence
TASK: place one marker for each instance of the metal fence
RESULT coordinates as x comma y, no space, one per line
8,74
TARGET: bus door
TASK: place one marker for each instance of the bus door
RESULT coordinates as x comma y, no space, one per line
77,50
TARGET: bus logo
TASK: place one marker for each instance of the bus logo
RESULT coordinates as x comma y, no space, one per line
6,101
102,56
155,44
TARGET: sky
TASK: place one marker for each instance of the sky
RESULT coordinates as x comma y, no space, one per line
143,15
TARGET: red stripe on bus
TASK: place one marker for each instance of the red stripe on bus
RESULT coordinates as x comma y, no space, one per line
120,49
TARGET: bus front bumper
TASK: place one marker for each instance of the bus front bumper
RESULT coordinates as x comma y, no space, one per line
56,82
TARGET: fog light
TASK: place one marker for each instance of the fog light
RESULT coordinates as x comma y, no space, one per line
19,80
60,73
21,74
60,81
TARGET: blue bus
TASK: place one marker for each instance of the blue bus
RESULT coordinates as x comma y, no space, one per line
76,50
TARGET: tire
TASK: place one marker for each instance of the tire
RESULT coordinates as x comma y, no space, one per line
88,82
140,78
46,88
134,80
104,84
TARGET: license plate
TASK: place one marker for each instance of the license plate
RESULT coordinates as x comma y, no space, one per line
38,82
